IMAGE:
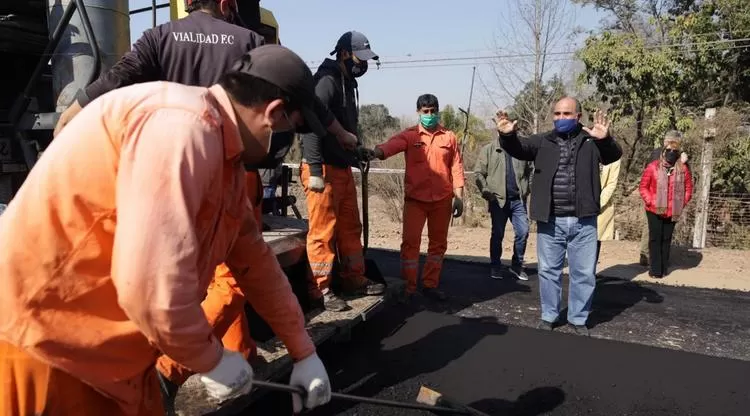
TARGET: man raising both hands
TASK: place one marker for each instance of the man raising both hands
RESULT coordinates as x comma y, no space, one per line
565,203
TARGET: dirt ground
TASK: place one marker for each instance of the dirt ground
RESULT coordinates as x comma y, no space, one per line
710,268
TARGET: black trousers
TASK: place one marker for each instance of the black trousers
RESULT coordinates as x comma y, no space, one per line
660,230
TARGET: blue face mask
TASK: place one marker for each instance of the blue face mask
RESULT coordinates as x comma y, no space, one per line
565,125
429,121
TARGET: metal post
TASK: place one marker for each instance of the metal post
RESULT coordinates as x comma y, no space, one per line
701,215
153,13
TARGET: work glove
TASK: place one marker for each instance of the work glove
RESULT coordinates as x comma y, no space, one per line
231,378
316,184
311,375
487,195
458,207
365,154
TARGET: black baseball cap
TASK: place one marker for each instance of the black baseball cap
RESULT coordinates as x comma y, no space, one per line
286,70
357,44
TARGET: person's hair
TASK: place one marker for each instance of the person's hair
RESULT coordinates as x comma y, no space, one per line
671,143
208,5
674,136
250,91
427,100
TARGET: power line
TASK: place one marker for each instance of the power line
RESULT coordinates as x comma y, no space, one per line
532,55
470,61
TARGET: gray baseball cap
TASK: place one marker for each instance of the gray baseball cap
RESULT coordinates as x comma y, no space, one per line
357,44
285,69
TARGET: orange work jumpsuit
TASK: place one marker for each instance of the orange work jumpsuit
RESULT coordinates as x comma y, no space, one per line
334,228
224,305
434,168
122,233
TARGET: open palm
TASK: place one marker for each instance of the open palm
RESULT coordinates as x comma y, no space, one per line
600,130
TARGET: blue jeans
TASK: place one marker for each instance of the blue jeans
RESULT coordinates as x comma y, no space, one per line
516,212
578,237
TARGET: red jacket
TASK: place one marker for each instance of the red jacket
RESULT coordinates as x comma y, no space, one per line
648,187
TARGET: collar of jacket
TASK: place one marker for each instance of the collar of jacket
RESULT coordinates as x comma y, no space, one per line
439,130
332,67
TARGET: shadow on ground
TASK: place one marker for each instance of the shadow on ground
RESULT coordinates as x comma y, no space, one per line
532,403
681,258
411,346
613,297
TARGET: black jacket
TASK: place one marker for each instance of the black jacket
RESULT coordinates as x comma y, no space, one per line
195,50
544,150
339,94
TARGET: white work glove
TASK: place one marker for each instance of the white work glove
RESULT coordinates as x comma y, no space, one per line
311,375
231,378
316,184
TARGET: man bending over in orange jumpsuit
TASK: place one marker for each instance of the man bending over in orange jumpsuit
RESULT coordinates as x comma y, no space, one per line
434,187
159,55
108,248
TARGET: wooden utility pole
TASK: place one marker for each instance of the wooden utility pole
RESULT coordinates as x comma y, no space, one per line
701,215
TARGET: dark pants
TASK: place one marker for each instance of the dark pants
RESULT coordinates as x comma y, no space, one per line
660,231
514,210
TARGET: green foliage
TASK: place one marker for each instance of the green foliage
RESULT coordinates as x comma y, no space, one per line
376,123
478,133
526,106
731,170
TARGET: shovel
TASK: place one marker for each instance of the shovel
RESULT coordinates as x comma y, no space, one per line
372,271
440,407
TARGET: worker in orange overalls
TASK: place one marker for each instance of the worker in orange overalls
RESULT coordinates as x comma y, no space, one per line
434,186
160,54
326,174
124,220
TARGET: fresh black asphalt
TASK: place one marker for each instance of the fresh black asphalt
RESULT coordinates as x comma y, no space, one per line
653,350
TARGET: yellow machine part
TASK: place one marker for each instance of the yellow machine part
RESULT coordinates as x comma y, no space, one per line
270,30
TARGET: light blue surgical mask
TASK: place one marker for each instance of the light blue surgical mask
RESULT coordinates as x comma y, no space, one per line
429,121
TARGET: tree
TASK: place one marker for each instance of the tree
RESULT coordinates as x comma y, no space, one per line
478,133
376,123
536,31
550,92
661,62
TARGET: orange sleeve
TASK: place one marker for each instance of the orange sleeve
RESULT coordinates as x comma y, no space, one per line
457,165
267,288
167,163
395,145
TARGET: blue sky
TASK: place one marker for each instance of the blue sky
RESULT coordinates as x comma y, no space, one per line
405,30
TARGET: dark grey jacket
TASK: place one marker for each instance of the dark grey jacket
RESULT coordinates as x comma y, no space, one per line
490,169
339,94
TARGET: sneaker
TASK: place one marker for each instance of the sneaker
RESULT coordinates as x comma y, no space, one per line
368,288
581,330
497,272
434,293
333,303
544,325
519,272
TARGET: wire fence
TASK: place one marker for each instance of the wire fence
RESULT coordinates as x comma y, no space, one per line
728,224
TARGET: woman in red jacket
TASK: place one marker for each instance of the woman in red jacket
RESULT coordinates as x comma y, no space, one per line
666,188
